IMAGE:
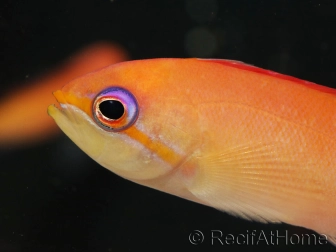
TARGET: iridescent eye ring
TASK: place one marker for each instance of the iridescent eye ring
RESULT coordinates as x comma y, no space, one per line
115,109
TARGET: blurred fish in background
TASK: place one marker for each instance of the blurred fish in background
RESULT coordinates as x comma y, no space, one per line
22,114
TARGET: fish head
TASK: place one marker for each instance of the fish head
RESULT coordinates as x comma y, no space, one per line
134,118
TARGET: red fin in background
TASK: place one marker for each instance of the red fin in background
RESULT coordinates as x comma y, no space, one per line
247,67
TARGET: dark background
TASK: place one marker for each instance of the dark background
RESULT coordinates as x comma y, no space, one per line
54,198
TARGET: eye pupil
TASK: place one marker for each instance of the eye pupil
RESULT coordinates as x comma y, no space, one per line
112,109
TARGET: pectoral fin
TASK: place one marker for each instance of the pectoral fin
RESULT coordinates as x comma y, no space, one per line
257,181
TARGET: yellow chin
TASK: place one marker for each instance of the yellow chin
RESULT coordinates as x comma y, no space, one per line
115,151
73,123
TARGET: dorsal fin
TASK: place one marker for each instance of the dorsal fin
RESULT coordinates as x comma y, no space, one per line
247,67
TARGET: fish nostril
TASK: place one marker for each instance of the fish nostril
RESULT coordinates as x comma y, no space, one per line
112,109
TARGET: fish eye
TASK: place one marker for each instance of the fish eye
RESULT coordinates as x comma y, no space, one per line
115,109
112,109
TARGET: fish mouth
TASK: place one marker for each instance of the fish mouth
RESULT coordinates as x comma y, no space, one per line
63,114
53,110
65,99
59,96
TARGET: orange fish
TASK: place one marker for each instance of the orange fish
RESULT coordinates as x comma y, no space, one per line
22,114
251,142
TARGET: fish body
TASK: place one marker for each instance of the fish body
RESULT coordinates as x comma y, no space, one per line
251,142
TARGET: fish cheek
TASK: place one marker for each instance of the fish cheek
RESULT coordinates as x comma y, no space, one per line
115,151
127,158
